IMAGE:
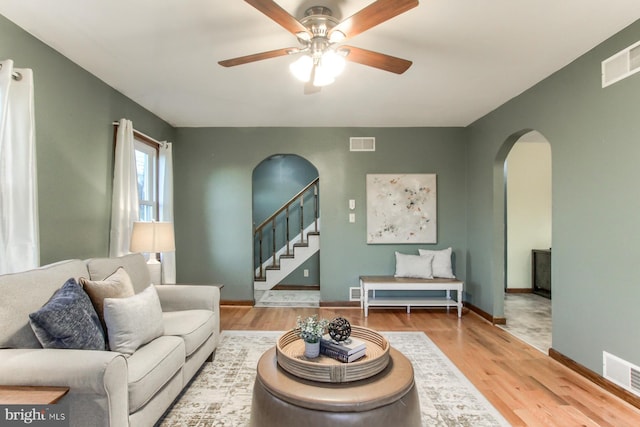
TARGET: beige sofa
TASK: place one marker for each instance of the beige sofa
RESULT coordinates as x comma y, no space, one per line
108,388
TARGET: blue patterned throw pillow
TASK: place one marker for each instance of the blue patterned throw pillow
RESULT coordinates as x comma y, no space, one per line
68,320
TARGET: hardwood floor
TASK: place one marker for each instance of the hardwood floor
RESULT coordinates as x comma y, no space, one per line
526,386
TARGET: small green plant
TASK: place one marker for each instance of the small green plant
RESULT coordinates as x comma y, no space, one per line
311,329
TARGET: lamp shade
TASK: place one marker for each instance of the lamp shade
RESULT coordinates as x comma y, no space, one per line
152,237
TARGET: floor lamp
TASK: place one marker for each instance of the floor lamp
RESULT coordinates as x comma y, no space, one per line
153,237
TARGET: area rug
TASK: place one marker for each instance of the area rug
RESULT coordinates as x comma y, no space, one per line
220,394
289,299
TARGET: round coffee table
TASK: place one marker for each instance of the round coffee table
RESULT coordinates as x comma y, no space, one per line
385,399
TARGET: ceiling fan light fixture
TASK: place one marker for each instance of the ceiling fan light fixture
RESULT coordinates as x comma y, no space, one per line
303,35
323,76
337,36
333,62
301,68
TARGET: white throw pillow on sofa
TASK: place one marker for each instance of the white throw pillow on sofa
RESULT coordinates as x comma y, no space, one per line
441,262
415,266
133,321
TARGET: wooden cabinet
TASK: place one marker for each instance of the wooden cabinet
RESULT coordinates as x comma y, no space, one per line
541,272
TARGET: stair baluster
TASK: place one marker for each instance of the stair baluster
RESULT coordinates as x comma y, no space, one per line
287,224
302,219
315,207
260,253
273,249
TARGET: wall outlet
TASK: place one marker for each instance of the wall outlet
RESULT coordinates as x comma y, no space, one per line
305,272
352,217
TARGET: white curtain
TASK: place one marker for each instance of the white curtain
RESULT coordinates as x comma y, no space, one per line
166,207
19,234
124,202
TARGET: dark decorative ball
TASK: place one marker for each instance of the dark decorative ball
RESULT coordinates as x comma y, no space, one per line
339,329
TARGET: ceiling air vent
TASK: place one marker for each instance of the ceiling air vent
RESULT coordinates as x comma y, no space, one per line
362,143
621,372
621,65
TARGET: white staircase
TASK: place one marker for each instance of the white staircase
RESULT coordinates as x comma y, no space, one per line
300,252
291,256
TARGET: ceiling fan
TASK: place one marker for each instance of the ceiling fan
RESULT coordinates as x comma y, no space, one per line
320,34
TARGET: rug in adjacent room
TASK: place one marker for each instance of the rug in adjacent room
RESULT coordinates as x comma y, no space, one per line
283,298
220,395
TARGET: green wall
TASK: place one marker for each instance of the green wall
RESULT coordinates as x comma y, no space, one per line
297,276
595,143
595,140
213,170
74,144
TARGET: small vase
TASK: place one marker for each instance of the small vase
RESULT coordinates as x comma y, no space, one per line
311,349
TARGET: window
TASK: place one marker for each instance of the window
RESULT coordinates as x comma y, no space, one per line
147,171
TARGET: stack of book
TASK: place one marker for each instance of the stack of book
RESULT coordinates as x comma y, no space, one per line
344,352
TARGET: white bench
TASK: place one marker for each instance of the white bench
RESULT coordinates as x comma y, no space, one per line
371,284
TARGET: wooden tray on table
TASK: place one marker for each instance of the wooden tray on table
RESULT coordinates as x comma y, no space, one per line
290,357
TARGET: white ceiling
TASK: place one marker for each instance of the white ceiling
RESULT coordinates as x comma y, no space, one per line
469,56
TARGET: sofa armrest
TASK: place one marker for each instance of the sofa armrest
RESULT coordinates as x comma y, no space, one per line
84,371
189,297
97,380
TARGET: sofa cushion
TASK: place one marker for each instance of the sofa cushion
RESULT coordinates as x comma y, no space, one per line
68,320
117,285
134,264
133,321
24,293
151,367
193,326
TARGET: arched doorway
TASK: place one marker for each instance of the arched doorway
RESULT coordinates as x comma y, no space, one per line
524,236
286,220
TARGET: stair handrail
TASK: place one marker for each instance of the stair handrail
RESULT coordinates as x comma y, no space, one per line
287,204
285,207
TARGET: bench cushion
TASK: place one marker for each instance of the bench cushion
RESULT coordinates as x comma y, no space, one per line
400,281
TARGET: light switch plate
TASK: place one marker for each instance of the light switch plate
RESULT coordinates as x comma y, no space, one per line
352,204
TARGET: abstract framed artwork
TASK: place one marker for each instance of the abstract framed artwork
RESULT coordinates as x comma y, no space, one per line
401,208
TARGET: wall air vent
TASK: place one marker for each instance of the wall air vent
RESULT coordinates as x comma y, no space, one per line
621,65
621,372
354,294
362,143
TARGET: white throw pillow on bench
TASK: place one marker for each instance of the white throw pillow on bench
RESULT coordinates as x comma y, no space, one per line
441,262
414,266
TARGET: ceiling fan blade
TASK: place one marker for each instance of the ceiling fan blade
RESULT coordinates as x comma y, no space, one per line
376,59
258,57
279,15
372,15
